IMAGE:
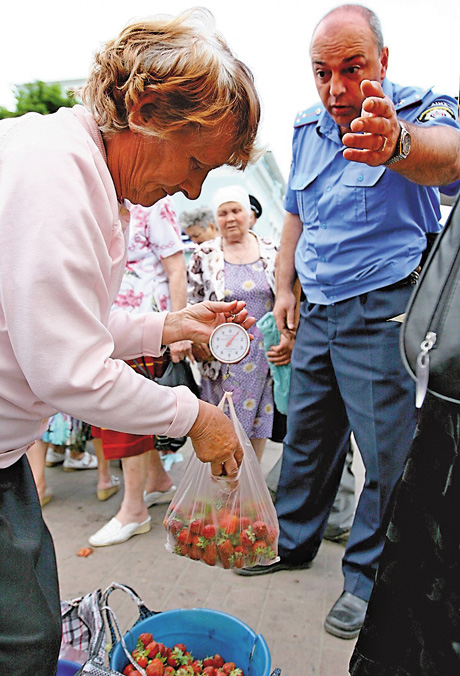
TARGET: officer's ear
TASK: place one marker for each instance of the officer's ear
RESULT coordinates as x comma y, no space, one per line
383,62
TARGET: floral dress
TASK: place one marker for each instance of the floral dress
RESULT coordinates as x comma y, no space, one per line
211,277
154,233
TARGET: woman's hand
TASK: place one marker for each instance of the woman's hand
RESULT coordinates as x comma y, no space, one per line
197,322
280,354
181,350
214,440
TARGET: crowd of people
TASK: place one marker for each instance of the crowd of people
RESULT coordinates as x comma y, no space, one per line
361,201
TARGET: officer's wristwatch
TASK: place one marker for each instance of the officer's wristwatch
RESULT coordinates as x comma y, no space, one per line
403,146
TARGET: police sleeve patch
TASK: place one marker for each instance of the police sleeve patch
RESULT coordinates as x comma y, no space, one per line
437,109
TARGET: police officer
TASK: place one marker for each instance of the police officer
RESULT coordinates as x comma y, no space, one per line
359,204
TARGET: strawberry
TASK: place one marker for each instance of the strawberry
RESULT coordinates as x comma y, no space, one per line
209,671
182,550
237,672
208,662
155,668
184,537
260,548
210,554
218,661
260,529
196,553
152,649
247,537
208,531
169,671
145,638
197,666
128,670
225,548
219,672
271,535
229,524
238,556
228,667
142,662
196,526
245,522
175,526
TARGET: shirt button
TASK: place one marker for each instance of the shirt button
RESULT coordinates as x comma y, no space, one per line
328,189
322,259
360,177
324,226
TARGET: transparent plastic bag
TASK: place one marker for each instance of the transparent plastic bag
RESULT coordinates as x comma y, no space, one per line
222,522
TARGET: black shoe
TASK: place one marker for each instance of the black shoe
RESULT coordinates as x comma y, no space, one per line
272,568
346,616
336,534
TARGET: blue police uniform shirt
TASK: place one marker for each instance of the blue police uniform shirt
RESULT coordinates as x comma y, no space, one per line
363,227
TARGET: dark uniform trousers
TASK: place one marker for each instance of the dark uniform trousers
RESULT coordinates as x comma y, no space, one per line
30,616
347,374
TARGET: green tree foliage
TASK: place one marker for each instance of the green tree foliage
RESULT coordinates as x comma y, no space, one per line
39,97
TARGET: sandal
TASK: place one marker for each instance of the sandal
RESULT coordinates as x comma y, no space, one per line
106,493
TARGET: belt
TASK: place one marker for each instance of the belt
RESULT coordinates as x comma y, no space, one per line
407,281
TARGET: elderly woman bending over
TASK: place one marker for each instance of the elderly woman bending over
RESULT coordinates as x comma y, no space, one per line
165,102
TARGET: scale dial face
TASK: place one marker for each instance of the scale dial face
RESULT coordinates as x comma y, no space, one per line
229,343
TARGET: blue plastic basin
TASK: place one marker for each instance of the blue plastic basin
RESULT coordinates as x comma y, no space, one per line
67,668
204,632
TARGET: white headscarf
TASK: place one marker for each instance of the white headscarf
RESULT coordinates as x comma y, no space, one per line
231,193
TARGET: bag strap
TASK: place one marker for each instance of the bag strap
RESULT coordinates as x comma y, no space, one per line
109,615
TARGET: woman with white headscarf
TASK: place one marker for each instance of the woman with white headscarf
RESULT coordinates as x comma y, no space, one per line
239,264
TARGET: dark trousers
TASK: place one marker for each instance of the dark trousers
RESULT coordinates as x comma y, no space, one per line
346,375
30,615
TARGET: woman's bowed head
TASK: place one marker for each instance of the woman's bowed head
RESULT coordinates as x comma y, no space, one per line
172,103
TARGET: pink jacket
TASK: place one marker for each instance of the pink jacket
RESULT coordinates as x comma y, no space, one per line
62,255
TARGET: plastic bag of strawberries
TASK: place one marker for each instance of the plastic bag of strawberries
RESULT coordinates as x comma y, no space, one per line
232,524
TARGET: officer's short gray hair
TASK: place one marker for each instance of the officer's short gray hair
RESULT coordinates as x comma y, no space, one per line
201,216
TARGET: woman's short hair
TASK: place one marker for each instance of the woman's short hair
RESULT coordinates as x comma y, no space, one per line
202,216
195,77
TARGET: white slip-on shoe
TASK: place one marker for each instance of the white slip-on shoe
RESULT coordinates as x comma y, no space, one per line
88,461
159,497
114,533
52,458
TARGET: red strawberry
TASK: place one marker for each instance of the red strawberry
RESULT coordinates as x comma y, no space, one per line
259,528
128,670
228,667
196,553
155,668
219,672
260,548
271,535
169,671
208,531
209,671
218,661
152,649
208,662
247,537
225,548
245,522
142,661
146,638
210,554
196,666
196,526
238,556
229,524
184,537
175,526
182,550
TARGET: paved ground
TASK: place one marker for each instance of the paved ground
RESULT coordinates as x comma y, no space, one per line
287,608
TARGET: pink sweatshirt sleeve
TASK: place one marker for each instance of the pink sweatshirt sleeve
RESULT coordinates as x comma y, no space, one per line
66,251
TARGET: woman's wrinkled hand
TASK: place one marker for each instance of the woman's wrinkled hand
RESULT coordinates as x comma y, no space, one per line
197,322
280,354
214,440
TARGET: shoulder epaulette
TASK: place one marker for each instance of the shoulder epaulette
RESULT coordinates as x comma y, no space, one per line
416,97
309,115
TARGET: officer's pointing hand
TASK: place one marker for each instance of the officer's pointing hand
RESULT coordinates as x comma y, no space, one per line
374,135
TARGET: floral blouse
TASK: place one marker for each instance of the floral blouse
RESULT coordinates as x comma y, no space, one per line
154,235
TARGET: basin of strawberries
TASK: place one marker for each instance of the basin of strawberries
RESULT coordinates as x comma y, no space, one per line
157,659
